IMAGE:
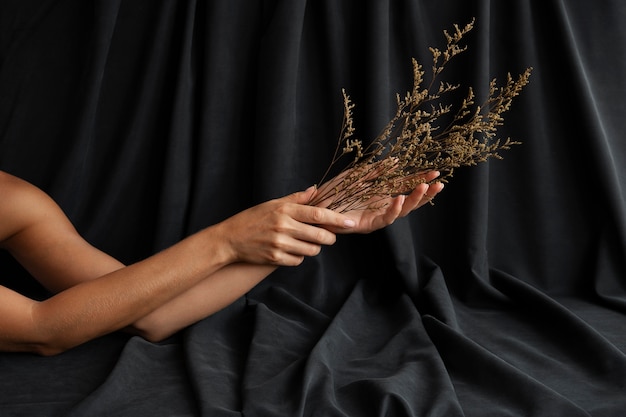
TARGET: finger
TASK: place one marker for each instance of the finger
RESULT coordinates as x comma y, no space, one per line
313,235
300,223
321,216
287,259
293,260
291,250
301,197
415,199
431,193
302,247
424,176
394,210
431,175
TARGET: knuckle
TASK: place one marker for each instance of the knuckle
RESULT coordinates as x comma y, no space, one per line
320,236
281,225
326,237
317,215
274,256
311,250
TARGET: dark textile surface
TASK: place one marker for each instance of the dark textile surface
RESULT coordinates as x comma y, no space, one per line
148,120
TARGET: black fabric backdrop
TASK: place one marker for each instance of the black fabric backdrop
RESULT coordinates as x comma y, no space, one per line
148,120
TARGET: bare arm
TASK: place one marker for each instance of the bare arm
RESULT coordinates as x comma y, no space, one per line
206,298
229,283
167,292
36,232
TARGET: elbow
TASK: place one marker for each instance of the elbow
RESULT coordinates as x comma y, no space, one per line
45,337
34,347
155,337
57,346
43,345
149,330
152,336
49,348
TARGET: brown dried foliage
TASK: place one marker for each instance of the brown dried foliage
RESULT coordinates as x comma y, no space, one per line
413,142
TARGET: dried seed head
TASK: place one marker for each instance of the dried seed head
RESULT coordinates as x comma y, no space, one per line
415,141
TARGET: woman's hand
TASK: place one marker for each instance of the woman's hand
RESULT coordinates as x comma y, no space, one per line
384,211
282,231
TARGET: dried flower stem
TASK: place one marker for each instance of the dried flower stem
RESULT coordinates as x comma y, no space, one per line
413,142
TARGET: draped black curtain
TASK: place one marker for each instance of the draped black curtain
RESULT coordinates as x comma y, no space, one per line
147,120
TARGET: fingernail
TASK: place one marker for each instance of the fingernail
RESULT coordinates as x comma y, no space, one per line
349,223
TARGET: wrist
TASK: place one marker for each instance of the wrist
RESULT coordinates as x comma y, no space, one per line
221,245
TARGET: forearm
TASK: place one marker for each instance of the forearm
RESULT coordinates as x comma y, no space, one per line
118,299
96,295
204,299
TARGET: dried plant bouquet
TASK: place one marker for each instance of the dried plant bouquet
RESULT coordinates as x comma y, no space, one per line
414,141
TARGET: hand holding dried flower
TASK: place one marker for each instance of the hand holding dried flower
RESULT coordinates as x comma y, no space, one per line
282,231
379,211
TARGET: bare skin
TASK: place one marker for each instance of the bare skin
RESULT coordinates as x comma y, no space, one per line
94,294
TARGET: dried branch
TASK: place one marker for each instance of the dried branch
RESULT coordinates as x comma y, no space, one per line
413,142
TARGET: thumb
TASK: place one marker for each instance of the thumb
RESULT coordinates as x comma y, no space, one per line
302,197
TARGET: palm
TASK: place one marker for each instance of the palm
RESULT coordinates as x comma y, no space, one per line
374,218
382,212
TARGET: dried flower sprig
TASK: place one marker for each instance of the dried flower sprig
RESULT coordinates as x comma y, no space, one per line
413,142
